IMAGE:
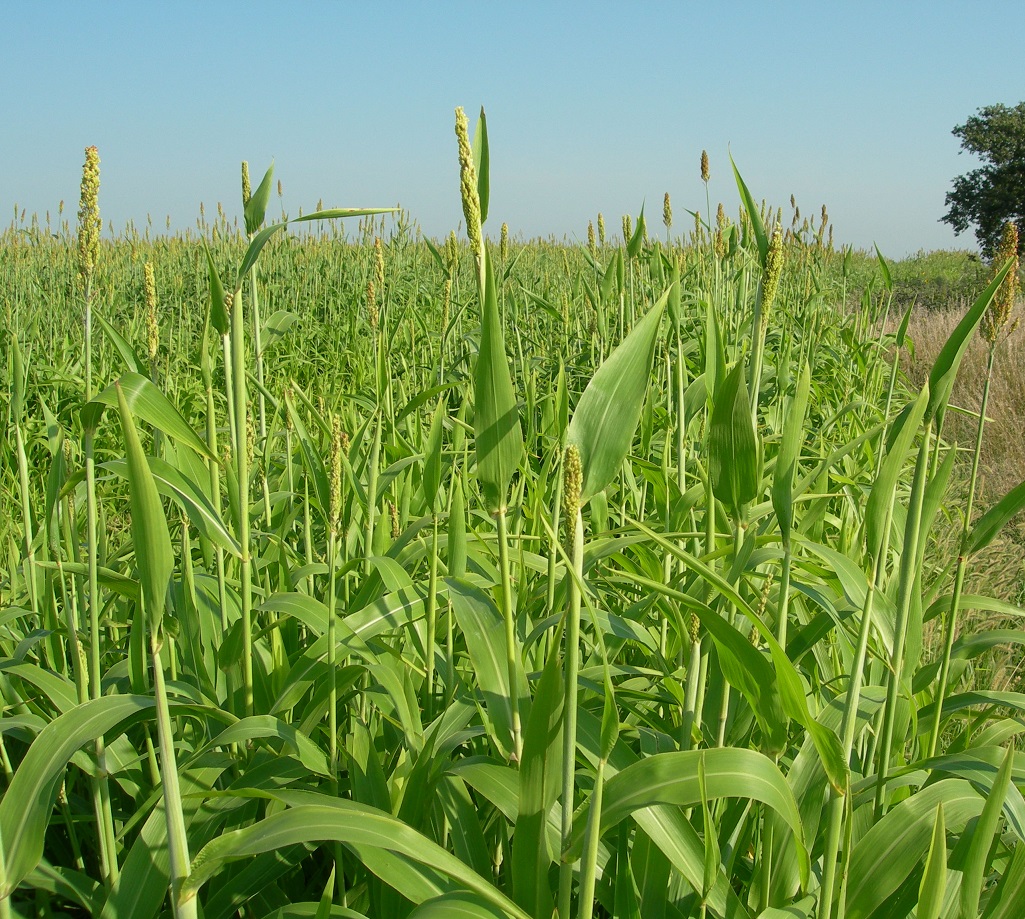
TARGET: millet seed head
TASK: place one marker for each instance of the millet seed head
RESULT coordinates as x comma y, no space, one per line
601,229
667,211
468,184
89,223
572,483
152,327
379,263
626,228
773,270
1002,303
705,174
338,445
592,245
503,242
247,189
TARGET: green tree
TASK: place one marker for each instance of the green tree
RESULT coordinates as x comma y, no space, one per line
994,193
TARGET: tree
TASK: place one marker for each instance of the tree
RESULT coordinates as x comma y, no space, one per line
994,193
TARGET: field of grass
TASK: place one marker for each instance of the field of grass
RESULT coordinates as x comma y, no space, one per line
345,573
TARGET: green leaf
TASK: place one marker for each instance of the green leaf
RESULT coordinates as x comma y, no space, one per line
218,313
27,802
496,421
459,905
753,214
934,878
256,206
733,444
788,456
607,414
672,778
945,367
974,866
276,326
884,270
146,401
482,163
431,480
633,247
340,821
154,557
713,857
992,522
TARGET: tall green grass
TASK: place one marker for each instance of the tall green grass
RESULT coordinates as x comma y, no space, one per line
487,580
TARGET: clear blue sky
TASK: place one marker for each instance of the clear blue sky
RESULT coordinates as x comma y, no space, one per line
591,106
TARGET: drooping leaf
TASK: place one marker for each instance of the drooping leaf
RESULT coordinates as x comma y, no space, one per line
256,206
733,444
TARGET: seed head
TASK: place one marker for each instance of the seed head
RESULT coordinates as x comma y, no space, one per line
601,229
695,627
247,189
338,445
667,211
1002,303
773,270
572,482
379,263
503,242
452,252
626,228
468,185
89,223
705,174
152,328
592,246
281,190
394,511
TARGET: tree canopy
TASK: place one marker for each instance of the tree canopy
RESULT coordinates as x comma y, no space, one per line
989,196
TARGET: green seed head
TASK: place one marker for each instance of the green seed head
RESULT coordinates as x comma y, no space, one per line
601,229
452,252
626,228
667,211
338,444
573,480
379,263
592,245
705,174
695,627
247,189
503,243
773,270
89,223
1002,303
468,184
446,304
394,511
152,328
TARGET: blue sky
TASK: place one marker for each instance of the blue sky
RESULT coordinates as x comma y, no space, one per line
591,106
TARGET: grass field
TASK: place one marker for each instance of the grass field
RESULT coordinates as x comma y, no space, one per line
346,573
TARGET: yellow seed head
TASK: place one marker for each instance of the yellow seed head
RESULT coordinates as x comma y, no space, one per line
1002,303
592,246
667,211
89,223
229,299
468,185
503,242
572,482
337,451
152,328
601,229
247,189
379,263
705,174
372,310
394,511
773,270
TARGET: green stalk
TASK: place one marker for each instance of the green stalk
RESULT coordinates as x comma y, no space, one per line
177,841
585,898
569,735
509,617
908,565
238,357
432,620
375,459
962,564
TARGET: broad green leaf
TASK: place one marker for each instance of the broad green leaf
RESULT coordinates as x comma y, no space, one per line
458,905
713,857
992,522
277,324
431,480
134,363
934,878
218,313
482,163
340,821
496,421
154,557
753,214
891,849
256,206
733,444
633,247
672,778
789,454
28,800
945,367
146,401
884,269
607,414
974,867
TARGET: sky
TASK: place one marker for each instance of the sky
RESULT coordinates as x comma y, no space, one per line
590,107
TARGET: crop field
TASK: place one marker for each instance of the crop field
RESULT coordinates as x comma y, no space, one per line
347,573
